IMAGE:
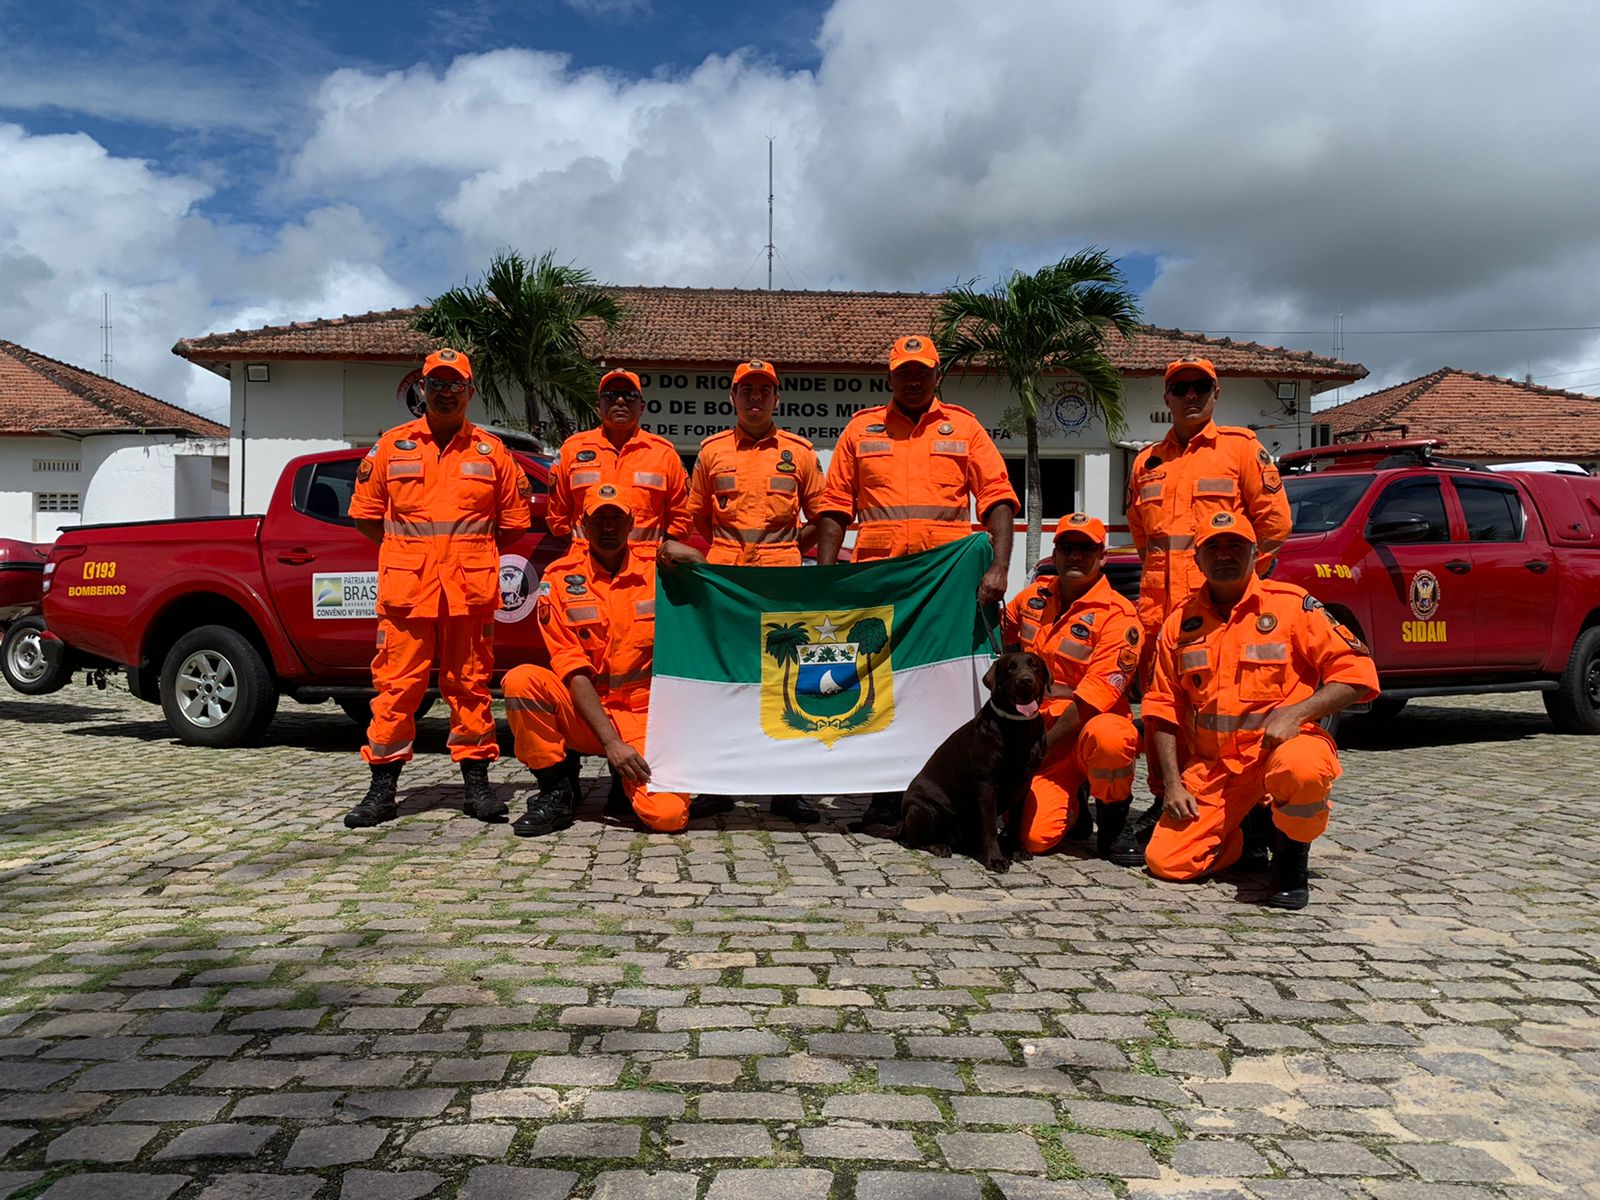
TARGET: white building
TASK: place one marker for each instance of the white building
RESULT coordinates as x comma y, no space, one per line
78,448
342,381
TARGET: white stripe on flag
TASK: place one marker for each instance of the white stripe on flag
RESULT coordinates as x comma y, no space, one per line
706,737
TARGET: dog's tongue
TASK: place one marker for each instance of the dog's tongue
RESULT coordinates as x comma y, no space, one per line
1030,709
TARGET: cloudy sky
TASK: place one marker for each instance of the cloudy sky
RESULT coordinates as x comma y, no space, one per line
1430,170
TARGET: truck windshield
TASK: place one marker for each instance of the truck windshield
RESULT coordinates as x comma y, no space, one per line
1318,503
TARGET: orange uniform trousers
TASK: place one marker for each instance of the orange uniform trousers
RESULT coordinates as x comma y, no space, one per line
547,724
1102,756
407,648
1295,779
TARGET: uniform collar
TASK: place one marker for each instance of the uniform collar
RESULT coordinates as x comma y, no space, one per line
1251,601
1096,595
1207,434
420,426
742,440
934,412
635,565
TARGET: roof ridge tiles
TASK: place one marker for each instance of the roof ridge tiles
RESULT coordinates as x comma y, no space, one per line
92,389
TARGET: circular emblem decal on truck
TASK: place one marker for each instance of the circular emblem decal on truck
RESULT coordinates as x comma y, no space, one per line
1424,595
519,585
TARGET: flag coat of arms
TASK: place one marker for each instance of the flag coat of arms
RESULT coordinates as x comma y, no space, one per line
813,680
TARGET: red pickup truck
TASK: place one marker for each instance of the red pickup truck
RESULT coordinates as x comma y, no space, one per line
258,606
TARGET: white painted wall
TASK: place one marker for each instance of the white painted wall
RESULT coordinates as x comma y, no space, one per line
300,410
120,477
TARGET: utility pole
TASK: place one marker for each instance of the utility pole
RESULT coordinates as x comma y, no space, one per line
769,212
105,334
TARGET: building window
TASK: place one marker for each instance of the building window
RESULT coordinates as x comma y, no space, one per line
52,465
1058,479
56,502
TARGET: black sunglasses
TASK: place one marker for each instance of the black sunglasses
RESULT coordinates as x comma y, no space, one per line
1182,387
611,394
450,387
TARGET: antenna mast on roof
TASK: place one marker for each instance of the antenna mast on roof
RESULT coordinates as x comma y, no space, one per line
769,213
105,334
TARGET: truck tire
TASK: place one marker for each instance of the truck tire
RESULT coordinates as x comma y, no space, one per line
24,663
1386,708
216,690
359,708
1575,705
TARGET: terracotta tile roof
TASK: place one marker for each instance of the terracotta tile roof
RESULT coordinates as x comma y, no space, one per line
39,394
1481,416
718,326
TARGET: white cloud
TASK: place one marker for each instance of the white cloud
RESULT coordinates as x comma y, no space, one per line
609,10
1426,166
77,223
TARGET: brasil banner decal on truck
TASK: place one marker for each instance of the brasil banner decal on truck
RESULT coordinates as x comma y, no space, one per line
814,680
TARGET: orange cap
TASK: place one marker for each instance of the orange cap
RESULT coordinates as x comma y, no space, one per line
1224,522
607,495
455,361
913,348
621,374
1203,365
1081,525
756,366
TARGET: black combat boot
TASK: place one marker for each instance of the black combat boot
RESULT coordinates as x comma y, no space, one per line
552,808
1257,830
798,809
480,802
618,806
1082,827
1114,834
1145,824
882,809
1291,882
378,805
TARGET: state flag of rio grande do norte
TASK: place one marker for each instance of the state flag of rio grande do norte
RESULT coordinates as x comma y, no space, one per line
814,680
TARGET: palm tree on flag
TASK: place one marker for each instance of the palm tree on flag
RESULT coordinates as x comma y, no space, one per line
1029,327
871,635
783,644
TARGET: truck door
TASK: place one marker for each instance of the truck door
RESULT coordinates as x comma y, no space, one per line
322,573
1421,605
1514,575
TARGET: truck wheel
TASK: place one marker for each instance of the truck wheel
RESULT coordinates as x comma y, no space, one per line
359,709
216,690
24,663
1386,708
1575,705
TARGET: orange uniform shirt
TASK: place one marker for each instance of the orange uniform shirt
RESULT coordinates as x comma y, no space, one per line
1218,679
1091,646
441,507
646,462
911,485
1174,489
749,496
602,624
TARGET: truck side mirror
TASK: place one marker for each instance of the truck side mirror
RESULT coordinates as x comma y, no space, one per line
1398,527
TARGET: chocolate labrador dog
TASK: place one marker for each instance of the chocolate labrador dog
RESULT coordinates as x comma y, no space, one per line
981,772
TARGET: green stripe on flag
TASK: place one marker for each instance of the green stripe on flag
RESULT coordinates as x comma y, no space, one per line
709,619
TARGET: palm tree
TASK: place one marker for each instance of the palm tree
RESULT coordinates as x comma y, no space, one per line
524,327
871,635
783,644
1055,321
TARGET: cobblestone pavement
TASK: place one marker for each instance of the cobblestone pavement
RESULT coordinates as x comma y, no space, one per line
210,988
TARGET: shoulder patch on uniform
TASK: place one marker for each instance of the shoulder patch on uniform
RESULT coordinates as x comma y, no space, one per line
405,444
524,485
364,469
584,456
1310,603
785,468
1190,624
877,427
1132,636
1263,457
1036,602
